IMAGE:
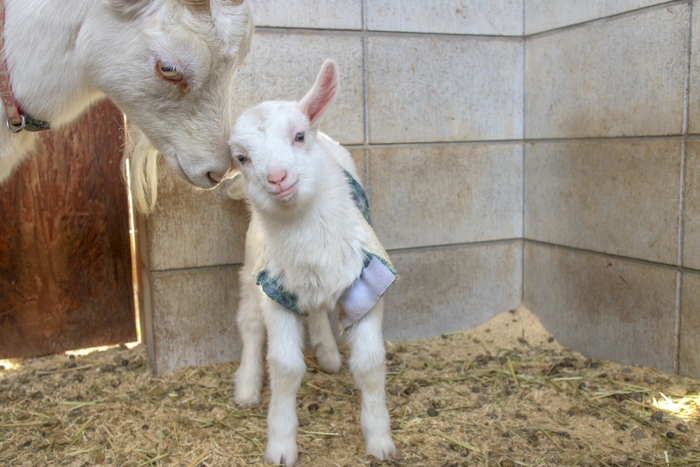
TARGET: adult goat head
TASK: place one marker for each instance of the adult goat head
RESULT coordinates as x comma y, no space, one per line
168,64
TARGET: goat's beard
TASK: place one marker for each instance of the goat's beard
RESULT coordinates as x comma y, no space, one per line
140,170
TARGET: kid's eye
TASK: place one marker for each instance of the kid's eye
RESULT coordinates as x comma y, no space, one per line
242,159
299,138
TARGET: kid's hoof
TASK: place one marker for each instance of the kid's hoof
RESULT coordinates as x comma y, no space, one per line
246,397
278,454
382,449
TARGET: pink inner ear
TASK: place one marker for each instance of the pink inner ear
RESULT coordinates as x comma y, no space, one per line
322,94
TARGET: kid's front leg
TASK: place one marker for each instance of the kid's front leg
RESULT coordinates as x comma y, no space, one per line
251,327
285,337
368,369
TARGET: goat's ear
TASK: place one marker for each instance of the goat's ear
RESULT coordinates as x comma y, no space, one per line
127,7
317,100
201,6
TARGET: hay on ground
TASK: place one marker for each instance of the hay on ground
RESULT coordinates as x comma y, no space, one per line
504,394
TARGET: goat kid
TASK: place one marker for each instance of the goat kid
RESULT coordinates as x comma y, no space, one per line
167,64
309,249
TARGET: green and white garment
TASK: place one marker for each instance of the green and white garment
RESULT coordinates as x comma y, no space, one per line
373,280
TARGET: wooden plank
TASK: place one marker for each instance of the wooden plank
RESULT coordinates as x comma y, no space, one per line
65,262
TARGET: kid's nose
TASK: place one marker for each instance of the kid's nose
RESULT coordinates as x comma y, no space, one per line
276,176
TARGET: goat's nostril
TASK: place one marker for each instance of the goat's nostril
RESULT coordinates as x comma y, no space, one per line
213,178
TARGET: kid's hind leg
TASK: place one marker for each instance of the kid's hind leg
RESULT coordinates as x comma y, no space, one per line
367,366
322,340
251,328
287,368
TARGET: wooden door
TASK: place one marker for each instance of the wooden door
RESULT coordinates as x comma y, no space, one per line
65,258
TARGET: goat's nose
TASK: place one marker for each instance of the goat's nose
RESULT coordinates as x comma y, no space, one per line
216,177
276,176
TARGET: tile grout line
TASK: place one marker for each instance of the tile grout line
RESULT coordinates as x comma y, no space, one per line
617,257
364,32
613,139
689,53
524,149
602,19
365,103
679,260
677,324
454,246
681,207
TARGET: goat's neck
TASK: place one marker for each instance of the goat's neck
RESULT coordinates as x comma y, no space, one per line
48,77
48,80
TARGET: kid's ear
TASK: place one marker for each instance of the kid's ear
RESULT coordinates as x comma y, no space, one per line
315,102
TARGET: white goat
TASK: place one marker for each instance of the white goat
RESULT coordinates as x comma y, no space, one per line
167,64
309,248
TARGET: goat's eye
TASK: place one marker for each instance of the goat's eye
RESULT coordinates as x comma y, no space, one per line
169,72
242,159
299,138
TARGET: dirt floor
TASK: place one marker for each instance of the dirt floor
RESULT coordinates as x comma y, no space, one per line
504,394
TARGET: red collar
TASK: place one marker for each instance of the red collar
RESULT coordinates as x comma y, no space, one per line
16,119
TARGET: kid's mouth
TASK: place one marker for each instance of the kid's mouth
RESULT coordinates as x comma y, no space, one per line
286,193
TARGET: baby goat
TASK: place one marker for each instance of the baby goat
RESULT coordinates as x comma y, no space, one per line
309,249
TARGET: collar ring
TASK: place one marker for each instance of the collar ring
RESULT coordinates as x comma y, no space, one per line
16,127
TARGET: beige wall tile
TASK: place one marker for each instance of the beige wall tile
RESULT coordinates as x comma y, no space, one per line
691,210
615,197
694,87
193,228
145,311
359,158
602,306
542,15
435,89
623,77
317,14
284,67
437,195
690,323
451,289
488,17
194,317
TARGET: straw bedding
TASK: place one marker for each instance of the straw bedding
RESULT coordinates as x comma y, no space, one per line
504,394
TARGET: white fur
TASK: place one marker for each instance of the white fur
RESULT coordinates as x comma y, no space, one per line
309,232
63,56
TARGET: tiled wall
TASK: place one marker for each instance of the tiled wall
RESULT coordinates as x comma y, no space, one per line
538,150
611,178
431,106
546,15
